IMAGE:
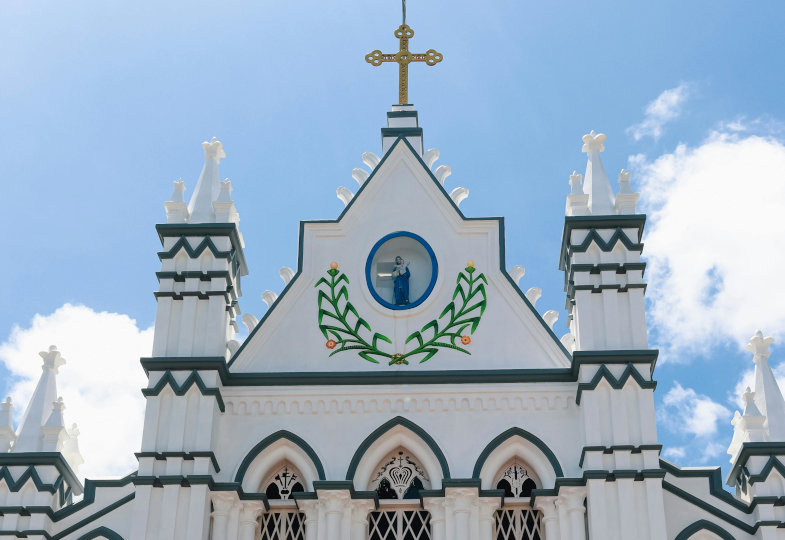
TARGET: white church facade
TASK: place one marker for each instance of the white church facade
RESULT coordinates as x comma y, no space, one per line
402,386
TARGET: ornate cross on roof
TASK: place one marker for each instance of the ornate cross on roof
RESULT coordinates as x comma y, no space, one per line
403,57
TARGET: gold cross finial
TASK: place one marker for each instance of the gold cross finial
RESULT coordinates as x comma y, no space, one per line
403,57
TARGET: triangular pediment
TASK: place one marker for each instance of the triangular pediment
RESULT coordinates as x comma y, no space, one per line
464,311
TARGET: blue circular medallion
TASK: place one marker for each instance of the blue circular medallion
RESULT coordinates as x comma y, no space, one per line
401,270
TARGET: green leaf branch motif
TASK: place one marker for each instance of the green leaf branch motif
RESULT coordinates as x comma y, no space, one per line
344,328
465,311
335,315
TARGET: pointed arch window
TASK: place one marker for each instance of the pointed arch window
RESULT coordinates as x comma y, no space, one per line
398,480
283,521
517,520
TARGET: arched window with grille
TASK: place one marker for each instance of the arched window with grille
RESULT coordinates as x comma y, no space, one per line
283,521
397,481
517,520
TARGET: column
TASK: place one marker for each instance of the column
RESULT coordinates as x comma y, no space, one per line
222,503
564,520
334,503
550,519
575,511
359,518
460,501
311,511
487,510
436,507
248,515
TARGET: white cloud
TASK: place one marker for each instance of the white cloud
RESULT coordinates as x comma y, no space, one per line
713,241
665,108
686,411
100,382
674,452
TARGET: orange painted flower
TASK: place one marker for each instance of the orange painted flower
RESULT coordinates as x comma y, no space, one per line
470,264
466,340
334,265
331,343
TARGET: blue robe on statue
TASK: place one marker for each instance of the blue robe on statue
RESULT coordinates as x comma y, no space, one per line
401,288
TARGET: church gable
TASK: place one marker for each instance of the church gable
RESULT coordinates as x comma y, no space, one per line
401,278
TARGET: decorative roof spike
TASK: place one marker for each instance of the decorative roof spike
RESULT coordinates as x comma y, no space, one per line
250,321
345,194
626,200
516,273
750,409
459,194
223,206
6,425
576,180
208,187
442,172
176,209
371,159
577,200
550,317
533,294
269,297
430,157
568,340
360,175
286,274
70,449
596,184
53,432
768,397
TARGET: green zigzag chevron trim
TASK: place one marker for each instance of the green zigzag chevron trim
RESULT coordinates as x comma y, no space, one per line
347,336
180,389
29,474
616,384
183,243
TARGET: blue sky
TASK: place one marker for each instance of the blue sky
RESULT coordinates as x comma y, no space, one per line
104,105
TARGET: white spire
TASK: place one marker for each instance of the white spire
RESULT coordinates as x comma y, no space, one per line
28,438
208,187
768,397
596,184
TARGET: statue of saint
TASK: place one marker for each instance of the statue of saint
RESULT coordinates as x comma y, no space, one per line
400,275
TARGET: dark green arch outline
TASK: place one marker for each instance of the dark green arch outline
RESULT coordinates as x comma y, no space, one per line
101,531
512,432
270,439
704,525
387,426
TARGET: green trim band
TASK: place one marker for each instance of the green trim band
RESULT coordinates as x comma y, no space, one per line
180,390
616,384
700,503
618,448
208,275
517,432
456,483
387,426
187,456
749,449
714,476
401,132
198,294
106,510
31,459
272,438
609,287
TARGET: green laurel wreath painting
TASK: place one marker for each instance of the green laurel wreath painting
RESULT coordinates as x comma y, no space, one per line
344,328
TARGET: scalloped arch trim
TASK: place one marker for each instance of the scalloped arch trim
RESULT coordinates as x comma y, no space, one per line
517,432
101,531
272,439
379,432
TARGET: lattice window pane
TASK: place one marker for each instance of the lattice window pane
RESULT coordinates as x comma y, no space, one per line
286,525
520,523
399,525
